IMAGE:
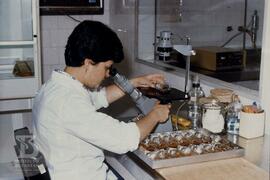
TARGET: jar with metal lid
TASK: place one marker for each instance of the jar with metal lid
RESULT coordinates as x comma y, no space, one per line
212,118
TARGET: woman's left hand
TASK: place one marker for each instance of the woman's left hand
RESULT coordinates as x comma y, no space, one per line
150,80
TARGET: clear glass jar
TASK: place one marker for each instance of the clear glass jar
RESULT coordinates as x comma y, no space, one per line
212,118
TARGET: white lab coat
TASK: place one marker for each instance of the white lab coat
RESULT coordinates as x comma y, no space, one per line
71,134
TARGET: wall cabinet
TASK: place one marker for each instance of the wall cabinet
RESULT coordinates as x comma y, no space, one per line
20,68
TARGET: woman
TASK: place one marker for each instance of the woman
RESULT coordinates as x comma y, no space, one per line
68,130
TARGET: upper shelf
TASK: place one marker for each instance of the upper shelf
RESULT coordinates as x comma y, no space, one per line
16,43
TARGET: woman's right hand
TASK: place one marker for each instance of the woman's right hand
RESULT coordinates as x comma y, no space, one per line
160,112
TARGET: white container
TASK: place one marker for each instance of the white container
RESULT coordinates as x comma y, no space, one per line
212,118
251,125
213,121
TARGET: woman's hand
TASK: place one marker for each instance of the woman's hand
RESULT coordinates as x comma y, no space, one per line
150,80
160,112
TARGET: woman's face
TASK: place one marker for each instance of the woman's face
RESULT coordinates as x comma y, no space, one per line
96,73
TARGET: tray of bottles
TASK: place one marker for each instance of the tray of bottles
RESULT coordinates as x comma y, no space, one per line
176,148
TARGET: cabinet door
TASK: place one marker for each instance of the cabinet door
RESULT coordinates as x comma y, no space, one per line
19,49
16,20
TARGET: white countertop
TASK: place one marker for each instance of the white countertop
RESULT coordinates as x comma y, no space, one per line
256,150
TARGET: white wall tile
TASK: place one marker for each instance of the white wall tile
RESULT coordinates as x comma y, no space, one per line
62,36
55,31
256,5
46,72
146,42
61,52
27,120
103,18
45,38
106,5
54,34
58,66
146,23
83,17
146,6
194,5
50,56
206,21
118,26
49,22
65,22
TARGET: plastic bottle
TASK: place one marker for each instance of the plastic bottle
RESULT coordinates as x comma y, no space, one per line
194,107
233,116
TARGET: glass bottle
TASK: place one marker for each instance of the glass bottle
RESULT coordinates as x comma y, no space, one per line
194,107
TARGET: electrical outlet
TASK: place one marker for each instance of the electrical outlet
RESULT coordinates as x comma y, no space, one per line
229,28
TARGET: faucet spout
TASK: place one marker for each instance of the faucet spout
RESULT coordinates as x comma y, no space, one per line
186,50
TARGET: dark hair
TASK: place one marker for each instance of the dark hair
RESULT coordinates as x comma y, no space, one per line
93,40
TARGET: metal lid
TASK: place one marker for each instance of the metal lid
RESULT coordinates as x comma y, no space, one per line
208,100
213,104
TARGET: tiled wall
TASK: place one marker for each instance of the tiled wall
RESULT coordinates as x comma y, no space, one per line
122,20
146,29
56,29
54,33
206,21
